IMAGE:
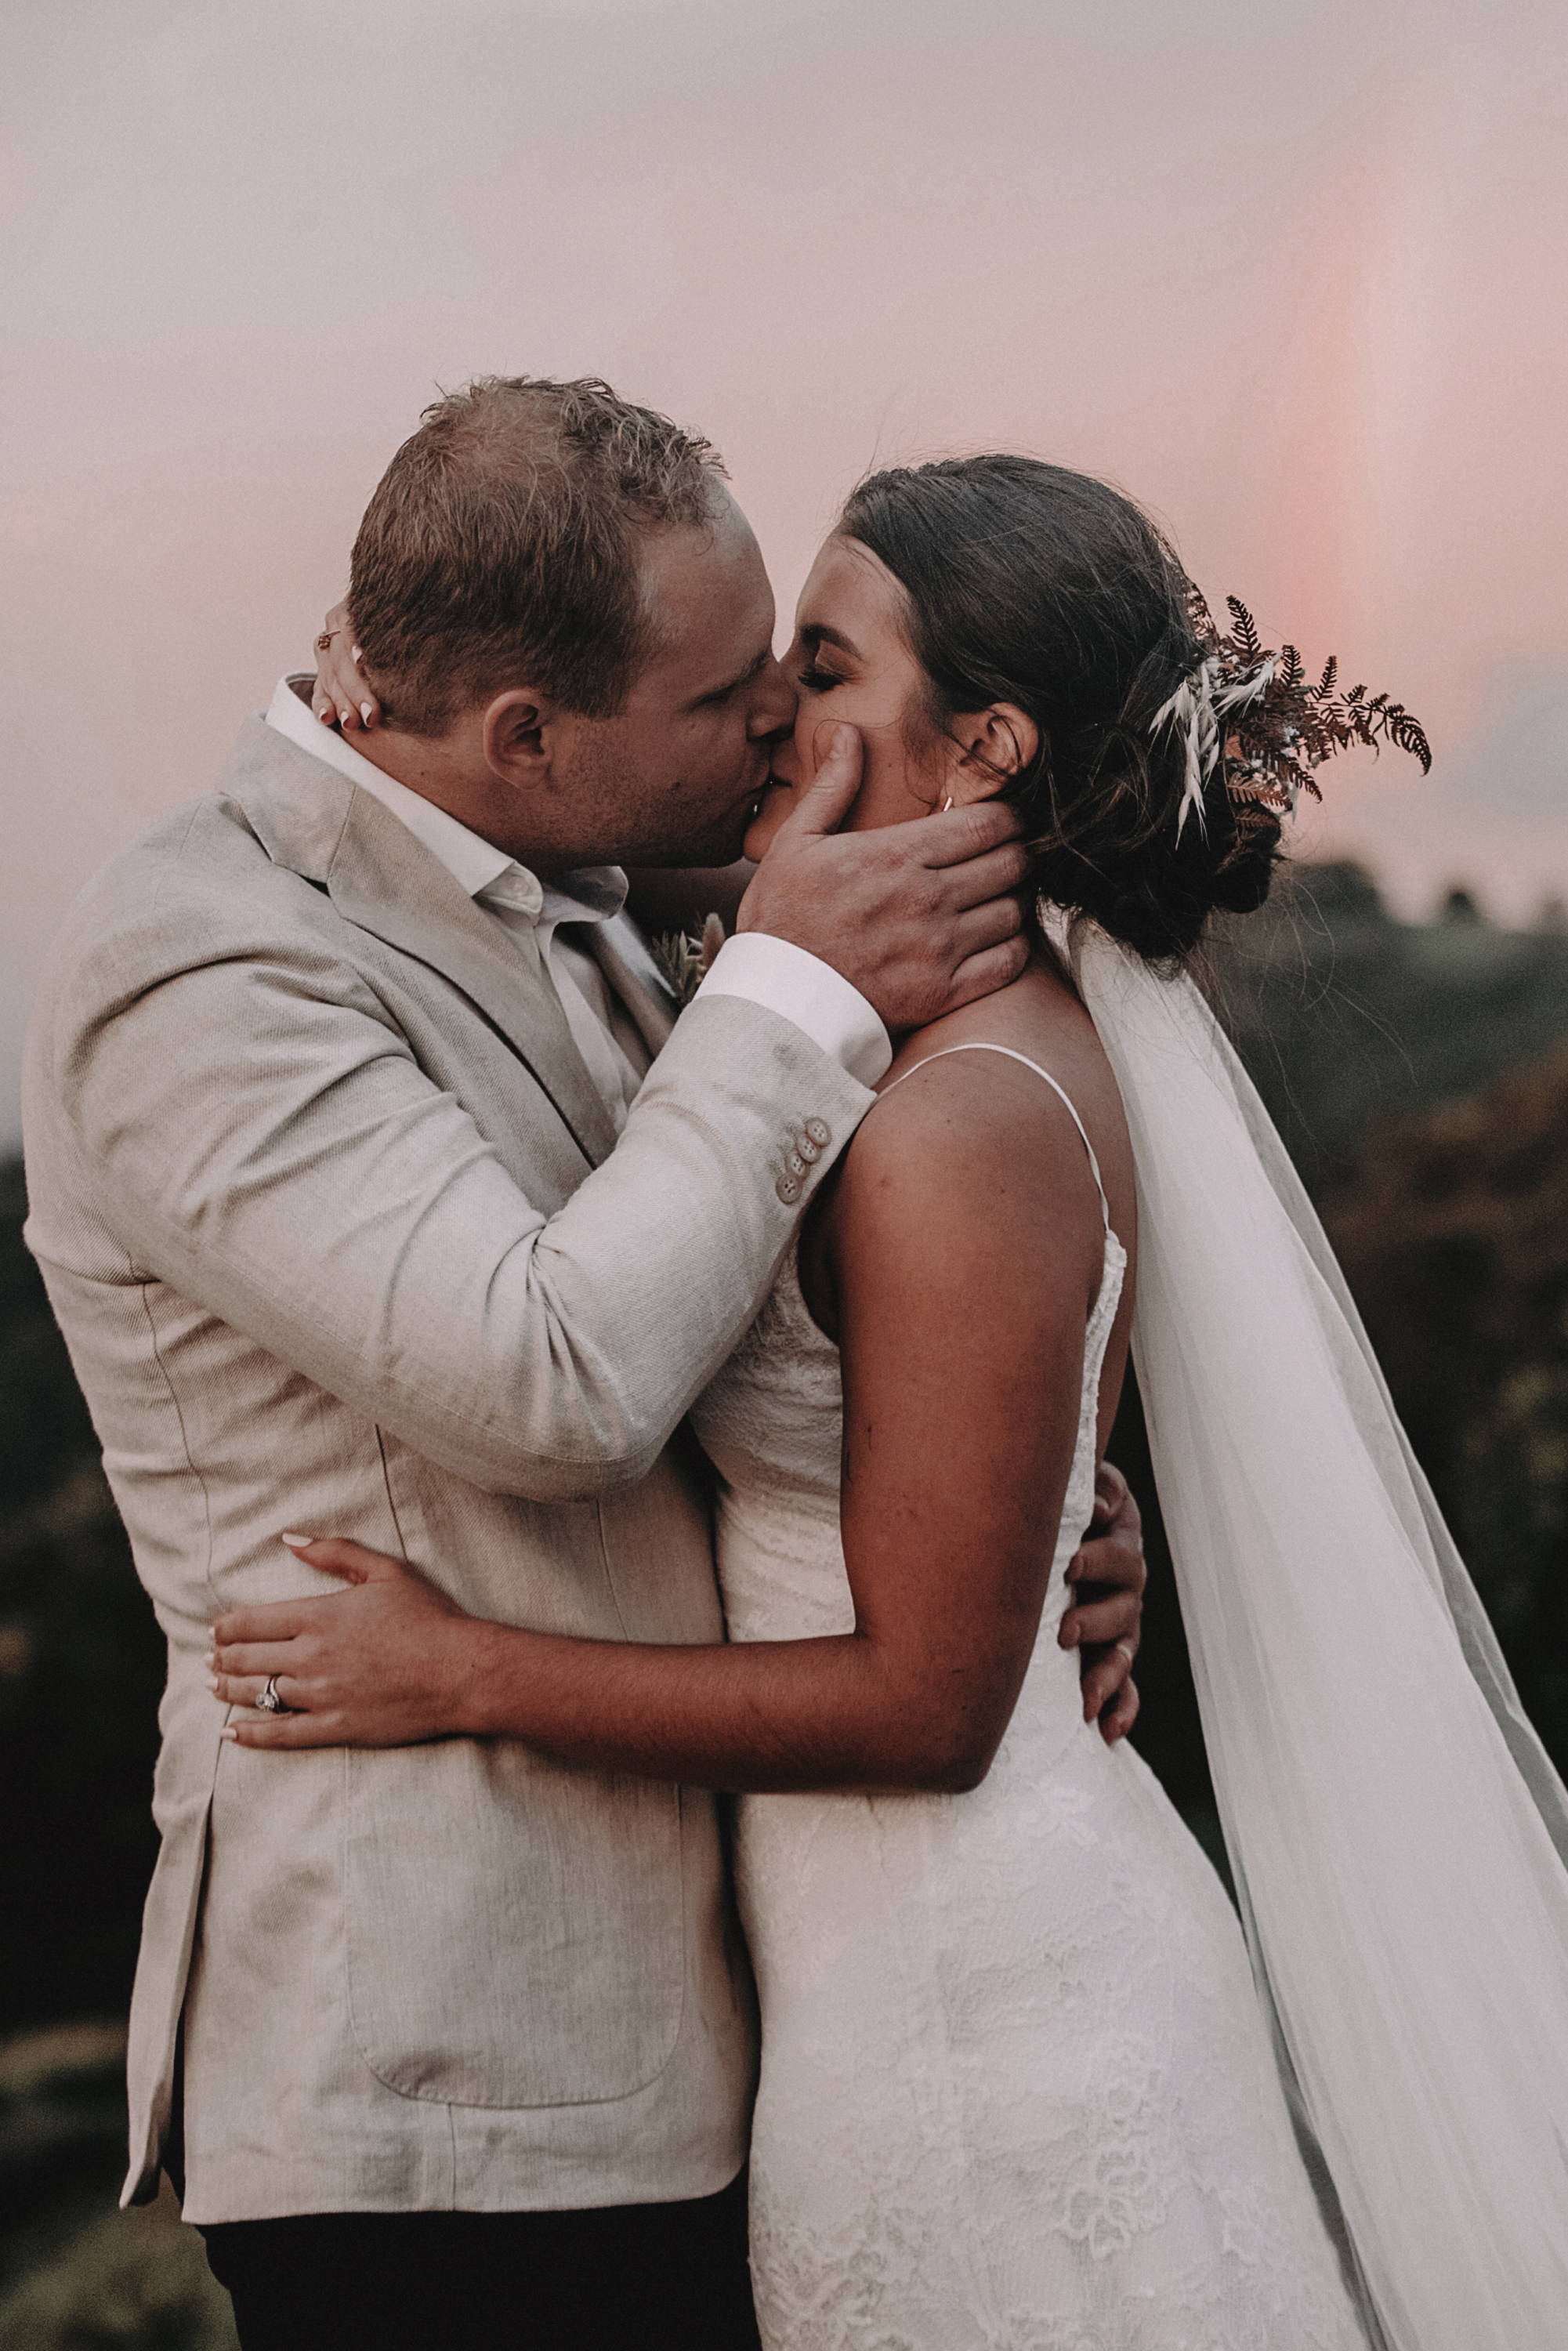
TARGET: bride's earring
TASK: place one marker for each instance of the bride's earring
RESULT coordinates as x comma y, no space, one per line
945,805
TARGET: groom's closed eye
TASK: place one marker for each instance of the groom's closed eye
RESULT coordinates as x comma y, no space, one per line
719,694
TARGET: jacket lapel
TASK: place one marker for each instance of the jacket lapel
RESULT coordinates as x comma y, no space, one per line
313,820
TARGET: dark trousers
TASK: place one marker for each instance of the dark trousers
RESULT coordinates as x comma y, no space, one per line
631,2277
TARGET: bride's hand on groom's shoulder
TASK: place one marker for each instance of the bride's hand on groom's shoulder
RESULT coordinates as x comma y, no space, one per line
1104,1623
382,1664
341,696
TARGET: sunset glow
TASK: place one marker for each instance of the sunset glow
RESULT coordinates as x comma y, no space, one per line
1293,277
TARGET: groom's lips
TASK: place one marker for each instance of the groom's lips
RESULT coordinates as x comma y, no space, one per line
760,793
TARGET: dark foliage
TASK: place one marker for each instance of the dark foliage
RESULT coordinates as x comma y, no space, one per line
81,1671
1449,1210
1457,1243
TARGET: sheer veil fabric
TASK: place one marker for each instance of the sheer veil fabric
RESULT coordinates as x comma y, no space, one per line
1398,1835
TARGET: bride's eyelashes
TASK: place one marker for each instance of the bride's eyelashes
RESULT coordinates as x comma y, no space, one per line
818,680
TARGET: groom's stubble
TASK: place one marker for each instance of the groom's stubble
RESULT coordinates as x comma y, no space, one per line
669,777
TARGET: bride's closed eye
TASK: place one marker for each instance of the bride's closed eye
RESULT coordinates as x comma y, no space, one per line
818,680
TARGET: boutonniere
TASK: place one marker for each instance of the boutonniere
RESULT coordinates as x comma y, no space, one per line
684,958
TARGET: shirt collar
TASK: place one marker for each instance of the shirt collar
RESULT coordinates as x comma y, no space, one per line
592,894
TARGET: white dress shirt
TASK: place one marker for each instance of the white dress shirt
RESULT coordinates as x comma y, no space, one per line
771,972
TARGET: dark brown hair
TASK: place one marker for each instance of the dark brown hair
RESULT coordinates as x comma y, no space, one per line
1030,584
501,546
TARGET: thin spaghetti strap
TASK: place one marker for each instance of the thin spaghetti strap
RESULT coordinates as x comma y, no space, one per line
980,1046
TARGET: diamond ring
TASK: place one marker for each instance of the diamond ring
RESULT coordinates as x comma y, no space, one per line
269,1701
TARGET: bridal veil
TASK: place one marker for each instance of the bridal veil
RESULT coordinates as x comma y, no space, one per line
1399,1836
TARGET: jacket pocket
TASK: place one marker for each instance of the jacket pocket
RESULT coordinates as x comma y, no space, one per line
516,1927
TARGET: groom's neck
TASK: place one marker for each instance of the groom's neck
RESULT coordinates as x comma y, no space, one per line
437,770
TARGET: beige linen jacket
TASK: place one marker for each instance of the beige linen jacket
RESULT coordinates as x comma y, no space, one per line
337,1230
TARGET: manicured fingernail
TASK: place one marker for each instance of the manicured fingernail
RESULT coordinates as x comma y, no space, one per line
296,1543
229,1732
213,1684
211,1660
365,712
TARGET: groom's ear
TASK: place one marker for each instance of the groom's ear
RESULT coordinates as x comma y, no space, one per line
515,737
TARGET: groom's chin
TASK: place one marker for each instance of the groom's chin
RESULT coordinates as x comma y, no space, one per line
723,845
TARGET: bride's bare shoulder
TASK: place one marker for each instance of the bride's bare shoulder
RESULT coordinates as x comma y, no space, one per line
1038,1016
949,1116
967,1160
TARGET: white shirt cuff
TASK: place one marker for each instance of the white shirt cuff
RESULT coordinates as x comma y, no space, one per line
801,987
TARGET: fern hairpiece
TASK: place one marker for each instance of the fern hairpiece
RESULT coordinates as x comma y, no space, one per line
1252,712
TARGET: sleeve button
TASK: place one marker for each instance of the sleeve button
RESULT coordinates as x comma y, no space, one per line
818,1133
789,1189
795,1164
809,1152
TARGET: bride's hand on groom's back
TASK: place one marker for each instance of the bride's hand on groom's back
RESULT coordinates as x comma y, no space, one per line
383,1664
920,917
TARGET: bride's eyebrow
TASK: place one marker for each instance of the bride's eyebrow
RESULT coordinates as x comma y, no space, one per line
818,632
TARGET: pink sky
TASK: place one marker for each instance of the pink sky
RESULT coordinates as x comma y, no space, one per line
1294,276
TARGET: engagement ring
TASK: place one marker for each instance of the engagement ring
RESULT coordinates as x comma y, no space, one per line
269,1702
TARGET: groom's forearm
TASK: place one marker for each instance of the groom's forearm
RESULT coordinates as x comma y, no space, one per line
320,1194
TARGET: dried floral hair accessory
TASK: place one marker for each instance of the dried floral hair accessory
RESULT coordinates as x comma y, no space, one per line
684,958
1252,714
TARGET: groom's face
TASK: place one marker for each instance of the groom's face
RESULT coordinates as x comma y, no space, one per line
673,779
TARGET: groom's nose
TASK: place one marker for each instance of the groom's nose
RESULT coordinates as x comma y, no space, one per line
773,708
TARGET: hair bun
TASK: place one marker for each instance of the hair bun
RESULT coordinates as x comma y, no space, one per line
1146,886
1168,754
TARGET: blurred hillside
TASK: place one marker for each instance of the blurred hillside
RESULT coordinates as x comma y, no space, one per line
1420,1076
1418,1073
1346,1018
81,1670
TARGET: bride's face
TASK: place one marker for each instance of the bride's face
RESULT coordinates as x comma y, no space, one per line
850,660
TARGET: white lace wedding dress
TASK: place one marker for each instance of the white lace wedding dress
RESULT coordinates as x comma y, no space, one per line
1017,2093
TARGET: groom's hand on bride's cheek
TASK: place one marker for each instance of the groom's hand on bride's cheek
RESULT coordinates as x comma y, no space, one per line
1104,1623
920,917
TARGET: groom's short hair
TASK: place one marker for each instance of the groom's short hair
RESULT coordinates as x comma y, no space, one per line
501,546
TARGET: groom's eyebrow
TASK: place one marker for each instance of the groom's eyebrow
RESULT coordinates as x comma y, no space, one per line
732,685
